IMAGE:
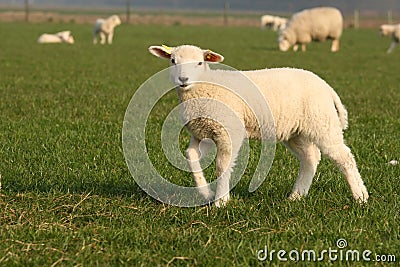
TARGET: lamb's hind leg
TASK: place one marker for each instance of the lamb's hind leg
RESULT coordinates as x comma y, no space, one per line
224,167
335,45
344,159
102,38
193,157
309,157
225,161
392,46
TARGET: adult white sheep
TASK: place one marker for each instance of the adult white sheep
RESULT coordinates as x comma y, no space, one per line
308,118
273,22
59,37
105,29
315,24
392,30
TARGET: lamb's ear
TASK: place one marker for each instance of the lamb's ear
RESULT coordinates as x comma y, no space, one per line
211,56
161,51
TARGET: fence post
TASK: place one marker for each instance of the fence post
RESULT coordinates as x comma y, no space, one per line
356,19
226,11
128,11
26,10
390,16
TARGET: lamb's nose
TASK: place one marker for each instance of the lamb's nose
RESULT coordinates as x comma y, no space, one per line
183,79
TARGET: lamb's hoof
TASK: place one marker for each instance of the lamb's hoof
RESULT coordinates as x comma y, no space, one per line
221,202
363,198
207,194
295,196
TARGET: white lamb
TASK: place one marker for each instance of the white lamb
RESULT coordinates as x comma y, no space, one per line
308,116
316,24
394,31
59,37
105,29
274,22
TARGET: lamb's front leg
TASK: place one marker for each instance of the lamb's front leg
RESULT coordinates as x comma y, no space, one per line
110,37
223,171
193,156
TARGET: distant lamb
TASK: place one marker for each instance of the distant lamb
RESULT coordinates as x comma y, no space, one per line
308,118
59,37
273,22
105,29
316,24
394,31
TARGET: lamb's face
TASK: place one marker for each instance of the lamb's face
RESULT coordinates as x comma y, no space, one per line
70,39
116,20
282,24
66,37
385,29
287,38
284,43
187,63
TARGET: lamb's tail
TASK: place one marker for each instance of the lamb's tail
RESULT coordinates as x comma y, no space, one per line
340,109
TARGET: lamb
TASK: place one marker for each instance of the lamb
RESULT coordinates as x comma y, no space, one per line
313,121
316,24
394,31
274,22
105,29
59,37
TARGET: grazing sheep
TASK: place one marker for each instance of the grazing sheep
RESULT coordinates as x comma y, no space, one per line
105,29
394,31
308,118
274,22
316,24
60,37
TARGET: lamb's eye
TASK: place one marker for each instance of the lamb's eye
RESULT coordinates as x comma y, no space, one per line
200,63
172,60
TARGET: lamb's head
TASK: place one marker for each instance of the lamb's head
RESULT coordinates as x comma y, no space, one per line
286,39
386,29
187,62
114,20
70,39
282,24
66,37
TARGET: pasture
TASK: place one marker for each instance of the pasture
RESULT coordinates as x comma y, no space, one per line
67,197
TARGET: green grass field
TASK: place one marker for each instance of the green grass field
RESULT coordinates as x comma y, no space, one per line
68,199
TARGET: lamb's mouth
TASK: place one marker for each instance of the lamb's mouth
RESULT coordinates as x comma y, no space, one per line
184,85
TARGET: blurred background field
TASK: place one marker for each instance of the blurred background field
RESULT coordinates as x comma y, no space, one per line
68,199
363,14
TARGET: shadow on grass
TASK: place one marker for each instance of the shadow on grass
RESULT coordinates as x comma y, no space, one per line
123,187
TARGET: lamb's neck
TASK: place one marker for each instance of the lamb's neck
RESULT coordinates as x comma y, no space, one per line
219,76
213,82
